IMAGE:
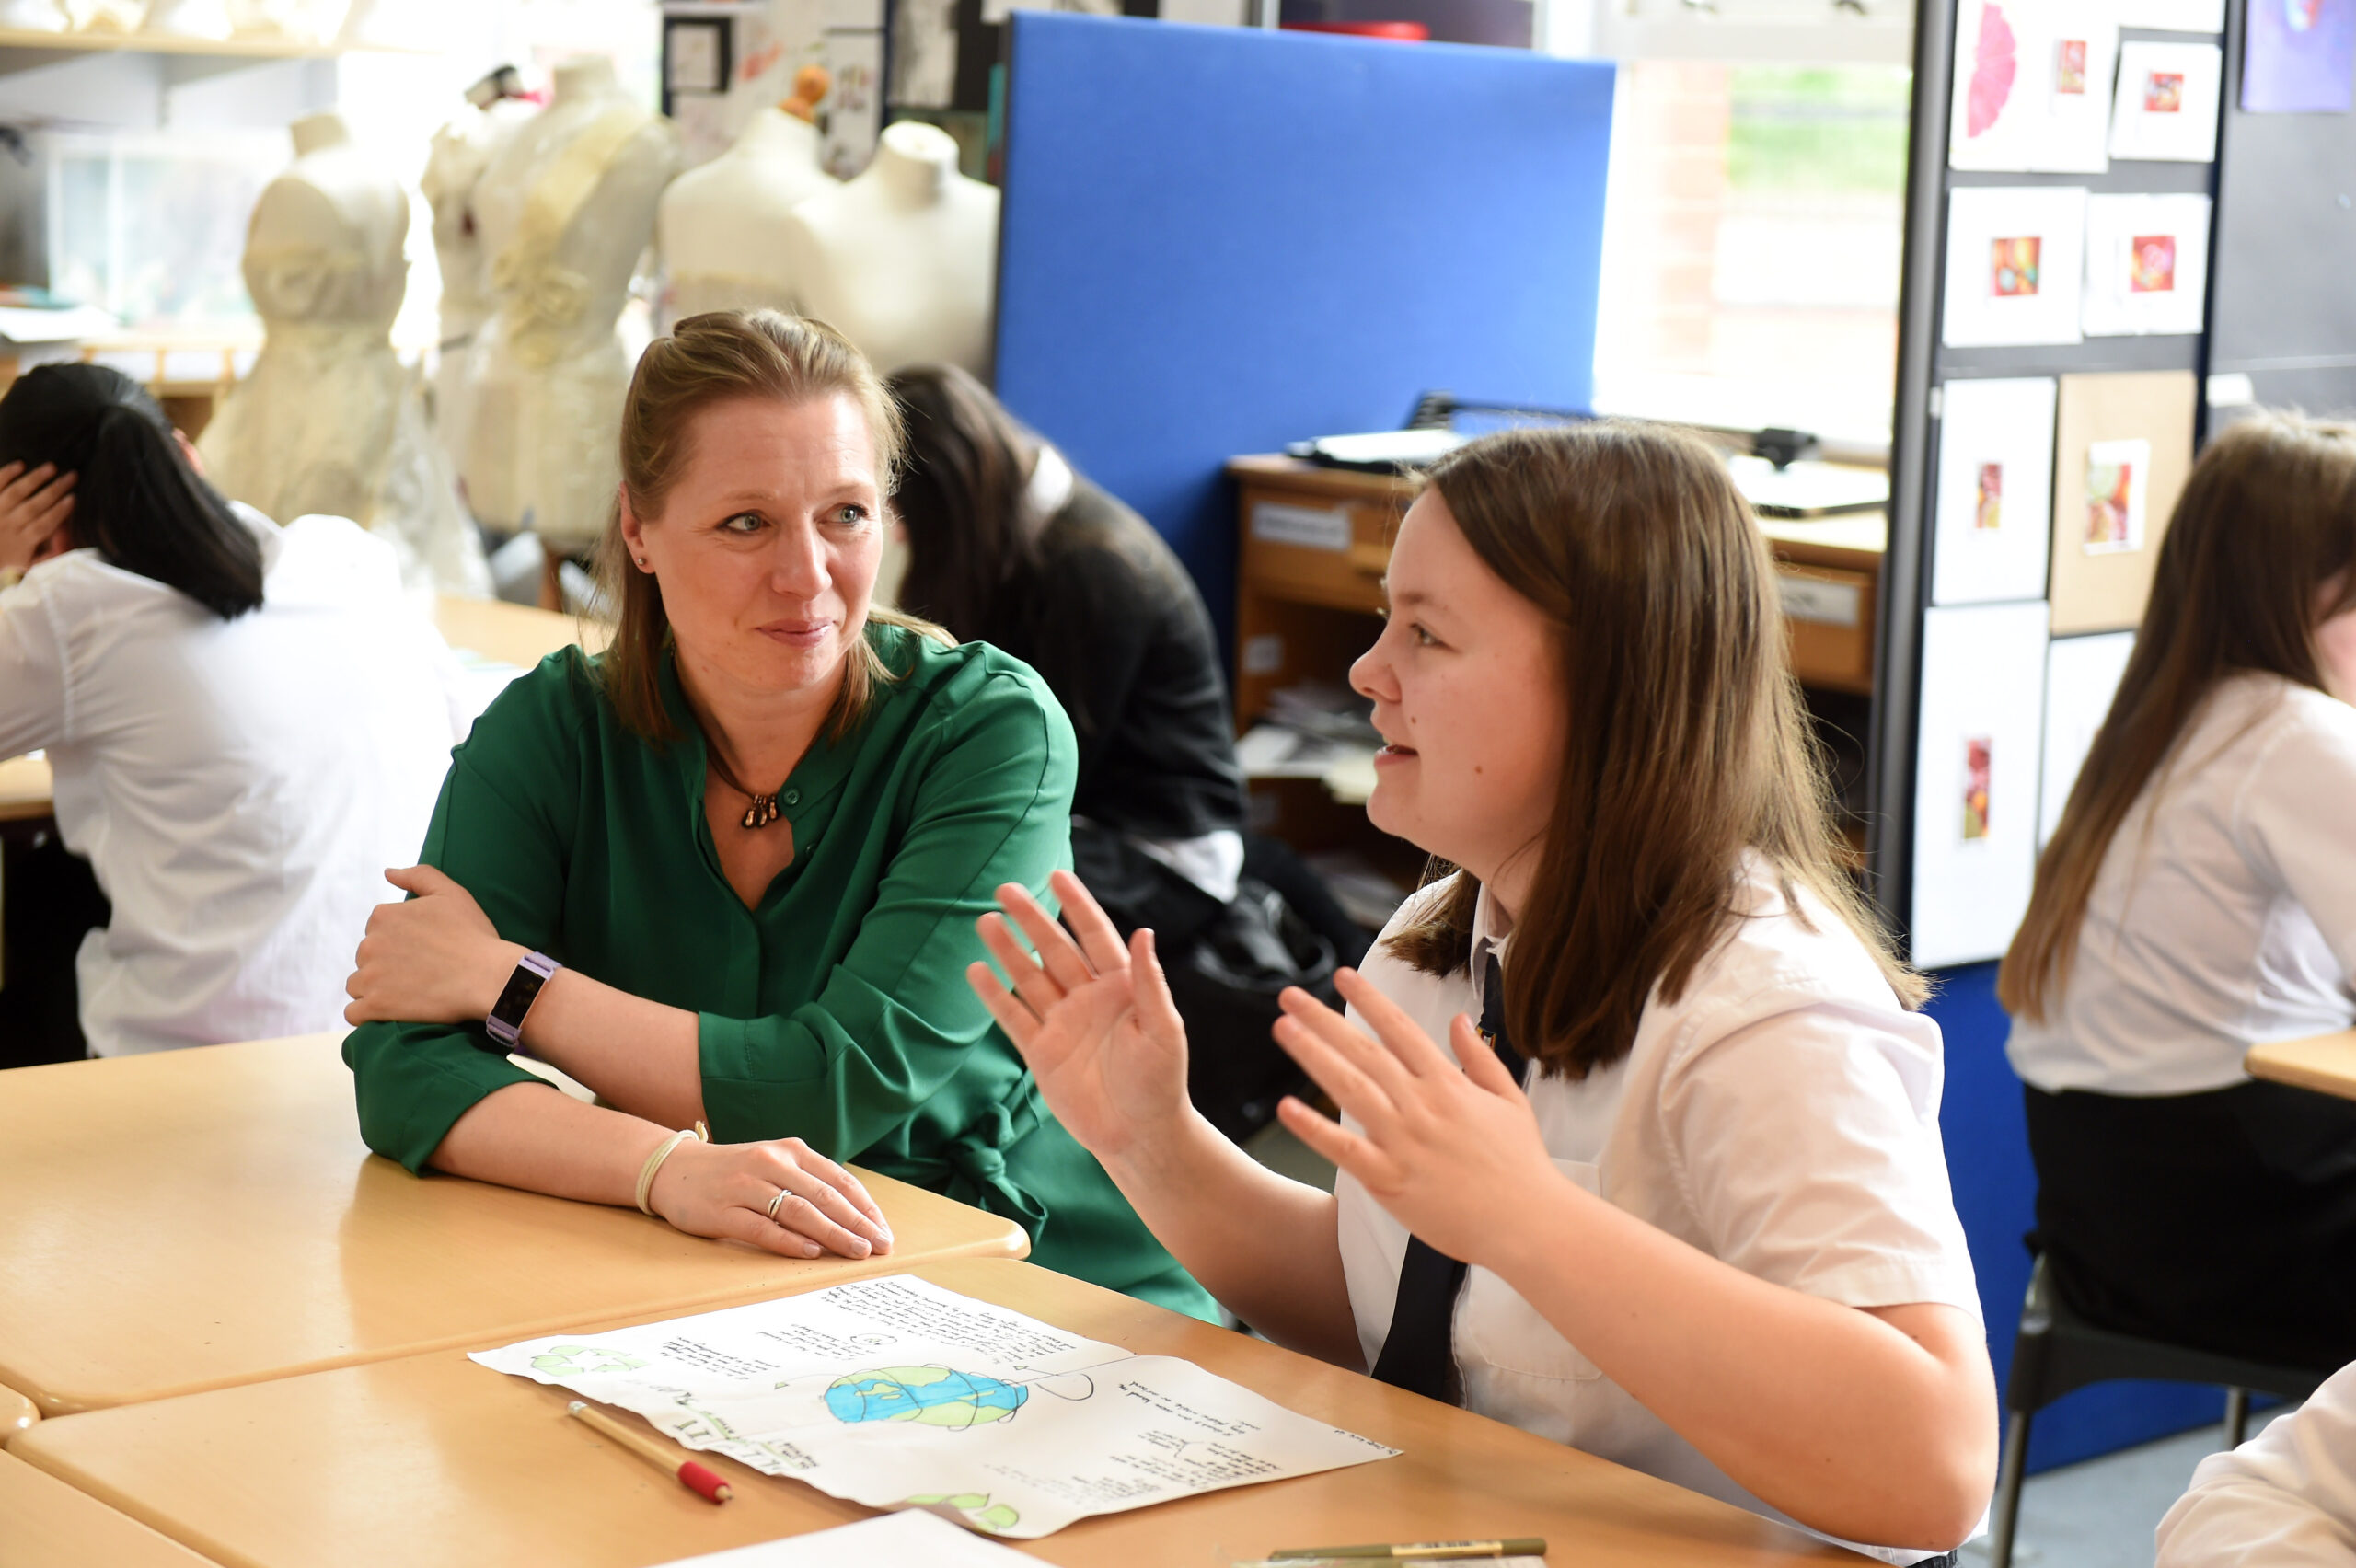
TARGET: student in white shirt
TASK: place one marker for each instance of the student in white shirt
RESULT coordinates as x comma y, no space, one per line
2198,898
2286,1498
246,723
1709,1231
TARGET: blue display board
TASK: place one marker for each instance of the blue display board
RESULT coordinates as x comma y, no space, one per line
1217,240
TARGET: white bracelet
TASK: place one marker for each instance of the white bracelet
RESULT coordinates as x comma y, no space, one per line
654,1162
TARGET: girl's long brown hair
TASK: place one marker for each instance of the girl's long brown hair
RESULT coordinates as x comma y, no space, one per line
1687,745
715,358
2266,523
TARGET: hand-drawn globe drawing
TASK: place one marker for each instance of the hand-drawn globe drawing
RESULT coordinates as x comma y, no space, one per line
934,1396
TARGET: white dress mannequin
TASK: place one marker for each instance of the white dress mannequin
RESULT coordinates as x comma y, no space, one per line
106,16
191,19
329,421
34,16
720,225
902,261
564,210
462,151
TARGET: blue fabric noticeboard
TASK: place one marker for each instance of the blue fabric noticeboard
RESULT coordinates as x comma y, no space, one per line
1217,240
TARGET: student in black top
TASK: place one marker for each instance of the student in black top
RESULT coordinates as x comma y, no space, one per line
1007,545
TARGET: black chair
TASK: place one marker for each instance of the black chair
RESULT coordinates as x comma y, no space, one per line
2056,1351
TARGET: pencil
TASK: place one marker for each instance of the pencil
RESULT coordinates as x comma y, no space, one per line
703,1482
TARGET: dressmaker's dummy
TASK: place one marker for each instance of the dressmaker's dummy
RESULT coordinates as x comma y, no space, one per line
34,16
106,16
329,419
902,261
564,211
462,151
720,225
190,18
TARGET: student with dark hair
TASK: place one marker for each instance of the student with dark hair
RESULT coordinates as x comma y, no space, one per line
1008,545
2198,898
1679,1200
247,723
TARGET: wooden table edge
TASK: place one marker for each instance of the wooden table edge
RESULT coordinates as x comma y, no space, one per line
1013,1245
2291,1061
18,1415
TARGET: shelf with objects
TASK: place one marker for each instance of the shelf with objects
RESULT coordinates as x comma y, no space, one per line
1313,543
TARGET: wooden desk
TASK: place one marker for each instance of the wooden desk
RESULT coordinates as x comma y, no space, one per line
2325,1063
46,1524
512,634
435,1459
197,1219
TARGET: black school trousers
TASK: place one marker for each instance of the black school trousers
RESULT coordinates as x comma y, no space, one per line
2221,1221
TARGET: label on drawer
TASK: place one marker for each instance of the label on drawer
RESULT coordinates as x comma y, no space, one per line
1312,528
1825,604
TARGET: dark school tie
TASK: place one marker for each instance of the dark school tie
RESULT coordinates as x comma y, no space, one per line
1419,1353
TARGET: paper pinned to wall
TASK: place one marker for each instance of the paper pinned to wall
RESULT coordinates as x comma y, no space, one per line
2082,675
2032,90
2108,519
2147,264
1992,512
2173,16
1981,724
2015,265
2299,57
894,1392
2166,108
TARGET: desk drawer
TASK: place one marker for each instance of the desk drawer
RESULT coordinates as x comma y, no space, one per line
1317,549
1829,614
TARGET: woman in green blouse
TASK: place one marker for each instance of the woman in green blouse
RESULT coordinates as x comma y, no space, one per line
750,841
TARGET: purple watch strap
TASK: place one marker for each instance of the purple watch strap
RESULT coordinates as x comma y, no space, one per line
506,1023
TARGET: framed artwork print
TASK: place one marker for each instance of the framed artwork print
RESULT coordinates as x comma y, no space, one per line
2299,57
1991,516
2015,265
2123,447
2147,264
2082,675
2032,90
2173,16
2166,106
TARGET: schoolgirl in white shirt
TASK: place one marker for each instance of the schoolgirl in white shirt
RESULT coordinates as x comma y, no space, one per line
2198,898
1701,1195
2286,1498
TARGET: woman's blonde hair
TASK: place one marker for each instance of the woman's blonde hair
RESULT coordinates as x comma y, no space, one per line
1687,743
2266,523
716,358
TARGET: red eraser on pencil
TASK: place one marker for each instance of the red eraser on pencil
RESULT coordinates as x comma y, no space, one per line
703,1482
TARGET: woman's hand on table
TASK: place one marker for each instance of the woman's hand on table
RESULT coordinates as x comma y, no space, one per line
1447,1152
33,505
433,959
1093,1019
726,1190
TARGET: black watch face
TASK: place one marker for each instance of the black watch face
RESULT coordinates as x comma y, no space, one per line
516,1000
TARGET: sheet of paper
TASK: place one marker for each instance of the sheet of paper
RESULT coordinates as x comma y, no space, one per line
894,1392
2166,105
910,1539
2015,264
2032,88
1993,506
1975,779
2299,57
2082,675
2108,520
2147,264
2174,16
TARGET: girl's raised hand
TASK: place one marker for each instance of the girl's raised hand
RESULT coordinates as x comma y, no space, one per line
1093,1019
1447,1151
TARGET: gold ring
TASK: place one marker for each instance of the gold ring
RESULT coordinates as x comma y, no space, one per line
781,1196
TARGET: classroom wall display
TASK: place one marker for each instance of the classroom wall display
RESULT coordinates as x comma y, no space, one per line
2015,265
1993,512
1976,778
2299,57
2082,675
2166,108
2173,16
2032,88
2122,448
2147,265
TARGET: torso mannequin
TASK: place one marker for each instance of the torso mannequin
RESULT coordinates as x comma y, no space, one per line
903,261
721,226
34,16
191,19
329,421
564,210
106,16
462,151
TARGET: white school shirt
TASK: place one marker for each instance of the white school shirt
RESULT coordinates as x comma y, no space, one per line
1781,1116
2224,914
238,786
2285,1499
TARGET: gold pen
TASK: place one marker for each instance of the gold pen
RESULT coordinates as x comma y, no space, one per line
1429,1551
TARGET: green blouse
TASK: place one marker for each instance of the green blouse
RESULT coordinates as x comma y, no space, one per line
837,1011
